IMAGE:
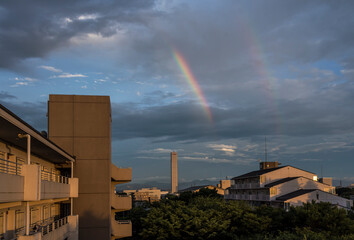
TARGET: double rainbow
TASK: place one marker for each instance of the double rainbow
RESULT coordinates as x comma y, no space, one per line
192,81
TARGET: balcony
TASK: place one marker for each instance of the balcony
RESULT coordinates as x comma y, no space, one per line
121,203
30,183
121,228
121,175
64,228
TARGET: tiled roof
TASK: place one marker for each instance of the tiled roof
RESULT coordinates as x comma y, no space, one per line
283,180
256,173
261,172
295,194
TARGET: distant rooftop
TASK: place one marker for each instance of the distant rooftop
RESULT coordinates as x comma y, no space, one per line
261,172
295,194
269,185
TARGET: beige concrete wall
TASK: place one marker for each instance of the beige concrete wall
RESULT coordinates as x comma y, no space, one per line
121,203
121,229
322,197
32,182
23,155
81,125
285,172
12,191
74,187
299,183
121,175
51,190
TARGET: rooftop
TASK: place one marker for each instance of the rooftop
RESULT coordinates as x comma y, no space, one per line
295,194
11,125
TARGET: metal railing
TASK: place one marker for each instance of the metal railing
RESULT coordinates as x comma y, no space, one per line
11,167
123,221
50,227
53,177
15,167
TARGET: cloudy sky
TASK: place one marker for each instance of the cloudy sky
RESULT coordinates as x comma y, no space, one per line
208,79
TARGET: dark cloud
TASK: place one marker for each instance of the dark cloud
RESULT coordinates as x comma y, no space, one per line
188,121
32,113
6,96
32,29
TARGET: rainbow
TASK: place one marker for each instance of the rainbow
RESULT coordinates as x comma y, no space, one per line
192,81
265,76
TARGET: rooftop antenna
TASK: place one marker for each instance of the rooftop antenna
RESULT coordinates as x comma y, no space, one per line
321,170
265,149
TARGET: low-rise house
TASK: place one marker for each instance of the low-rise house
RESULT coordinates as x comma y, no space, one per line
283,186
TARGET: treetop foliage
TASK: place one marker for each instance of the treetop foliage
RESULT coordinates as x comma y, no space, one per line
205,215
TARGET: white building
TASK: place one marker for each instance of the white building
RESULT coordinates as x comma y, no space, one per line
283,186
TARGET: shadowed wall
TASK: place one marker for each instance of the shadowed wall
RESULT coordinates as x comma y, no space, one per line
81,125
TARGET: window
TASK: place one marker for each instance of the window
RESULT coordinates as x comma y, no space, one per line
314,178
19,221
286,206
273,191
2,224
35,215
46,213
262,179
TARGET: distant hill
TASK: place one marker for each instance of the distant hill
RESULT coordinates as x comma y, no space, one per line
163,186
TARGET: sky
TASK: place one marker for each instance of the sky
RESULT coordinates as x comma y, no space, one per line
208,79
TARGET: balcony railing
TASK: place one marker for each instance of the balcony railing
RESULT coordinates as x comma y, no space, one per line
11,167
50,227
246,186
14,168
52,177
123,221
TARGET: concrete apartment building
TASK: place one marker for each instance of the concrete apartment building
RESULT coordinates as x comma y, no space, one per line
36,184
145,195
283,187
70,178
81,125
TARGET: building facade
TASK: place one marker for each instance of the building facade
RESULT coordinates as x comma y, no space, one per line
81,125
37,186
283,186
61,185
145,195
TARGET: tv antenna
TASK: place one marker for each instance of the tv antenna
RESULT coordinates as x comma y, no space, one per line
265,149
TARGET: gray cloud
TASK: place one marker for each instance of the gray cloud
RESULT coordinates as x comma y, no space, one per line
32,29
33,113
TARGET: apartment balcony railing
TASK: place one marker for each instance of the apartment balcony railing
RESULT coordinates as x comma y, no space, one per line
50,227
246,186
120,175
52,177
121,228
121,202
11,167
15,167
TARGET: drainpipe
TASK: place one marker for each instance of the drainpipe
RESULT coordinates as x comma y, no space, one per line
72,199
28,163
28,146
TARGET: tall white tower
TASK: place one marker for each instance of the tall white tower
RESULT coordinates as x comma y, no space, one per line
174,173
